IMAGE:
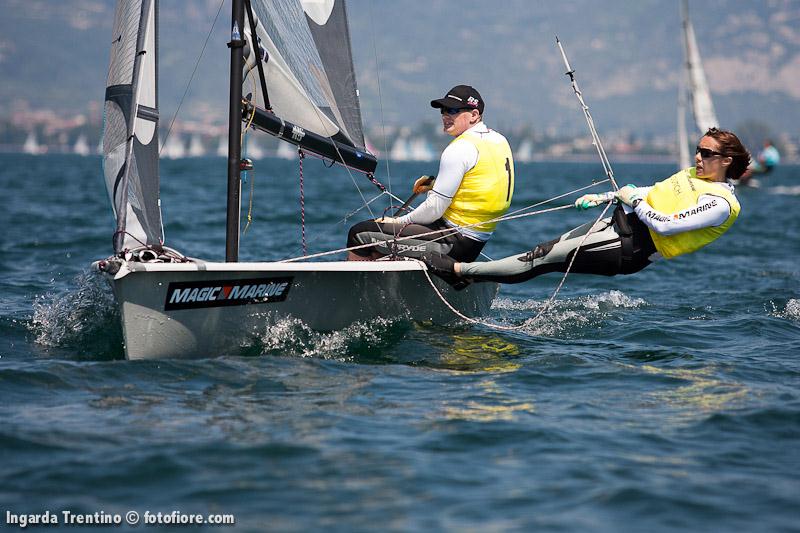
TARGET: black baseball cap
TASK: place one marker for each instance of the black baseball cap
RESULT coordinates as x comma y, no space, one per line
460,96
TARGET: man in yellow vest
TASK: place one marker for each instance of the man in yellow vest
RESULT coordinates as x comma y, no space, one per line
677,216
473,188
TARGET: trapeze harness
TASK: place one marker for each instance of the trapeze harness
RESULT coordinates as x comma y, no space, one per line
475,185
680,215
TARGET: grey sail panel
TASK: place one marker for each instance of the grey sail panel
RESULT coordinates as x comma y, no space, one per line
130,131
332,37
309,68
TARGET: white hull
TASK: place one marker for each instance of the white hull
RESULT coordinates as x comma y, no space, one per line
324,296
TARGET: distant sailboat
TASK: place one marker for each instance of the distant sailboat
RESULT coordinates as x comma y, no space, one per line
693,91
400,150
420,150
524,152
286,151
32,146
222,147
253,149
81,146
174,148
196,148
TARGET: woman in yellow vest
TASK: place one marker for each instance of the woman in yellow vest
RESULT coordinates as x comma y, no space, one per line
677,216
474,187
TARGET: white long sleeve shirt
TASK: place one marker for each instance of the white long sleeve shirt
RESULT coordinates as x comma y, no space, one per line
710,210
457,159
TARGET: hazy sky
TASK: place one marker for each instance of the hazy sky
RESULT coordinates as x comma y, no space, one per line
627,54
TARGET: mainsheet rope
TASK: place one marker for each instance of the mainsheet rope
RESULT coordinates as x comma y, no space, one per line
544,308
447,231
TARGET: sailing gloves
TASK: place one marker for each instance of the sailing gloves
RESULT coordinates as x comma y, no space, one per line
587,201
630,195
423,184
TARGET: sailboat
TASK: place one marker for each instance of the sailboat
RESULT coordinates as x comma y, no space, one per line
174,148
693,91
32,146
297,53
222,147
524,152
196,148
285,151
81,146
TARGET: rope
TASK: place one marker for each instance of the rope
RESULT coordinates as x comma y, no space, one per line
541,311
353,213
189,83
243,143
380,95
588,116
250,202
433,232
377,183
518,214
301,156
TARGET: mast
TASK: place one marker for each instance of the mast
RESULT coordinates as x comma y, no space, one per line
235,132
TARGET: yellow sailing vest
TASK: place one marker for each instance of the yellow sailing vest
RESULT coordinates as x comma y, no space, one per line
675,196
486,189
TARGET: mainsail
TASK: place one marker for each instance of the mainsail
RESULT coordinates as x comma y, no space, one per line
304,49
130,132
699,94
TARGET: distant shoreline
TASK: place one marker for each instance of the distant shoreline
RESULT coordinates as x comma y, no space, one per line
573,159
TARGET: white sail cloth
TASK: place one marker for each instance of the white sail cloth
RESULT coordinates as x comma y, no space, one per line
130,132
309,66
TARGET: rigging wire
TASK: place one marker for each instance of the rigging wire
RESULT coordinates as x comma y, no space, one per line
191,78
252,179
348,216
380,94
589,120
544,308
388,241
366,204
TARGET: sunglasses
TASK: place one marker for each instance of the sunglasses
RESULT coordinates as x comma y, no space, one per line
706,153
454,110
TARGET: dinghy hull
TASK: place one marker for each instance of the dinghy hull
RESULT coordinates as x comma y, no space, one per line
197,309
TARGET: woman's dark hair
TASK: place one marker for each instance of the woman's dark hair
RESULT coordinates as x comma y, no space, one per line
731,146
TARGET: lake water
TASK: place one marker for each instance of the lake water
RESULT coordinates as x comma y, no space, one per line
664,401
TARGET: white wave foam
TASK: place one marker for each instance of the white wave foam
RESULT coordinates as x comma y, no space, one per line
793,308
613,299
76,315
789,190
291,336
565,315
791,311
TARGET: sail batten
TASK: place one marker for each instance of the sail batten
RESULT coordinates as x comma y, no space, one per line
130,130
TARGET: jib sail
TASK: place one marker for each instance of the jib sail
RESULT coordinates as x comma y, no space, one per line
130,132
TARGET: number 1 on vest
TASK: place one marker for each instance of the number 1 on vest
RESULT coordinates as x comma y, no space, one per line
508,169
